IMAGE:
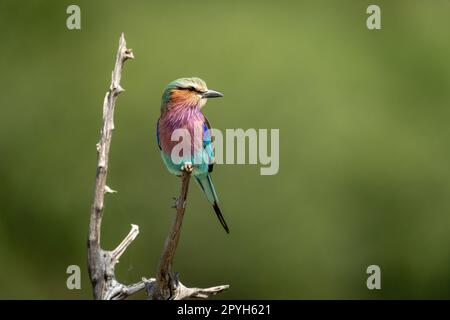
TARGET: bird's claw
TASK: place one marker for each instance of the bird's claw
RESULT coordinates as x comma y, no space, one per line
187,167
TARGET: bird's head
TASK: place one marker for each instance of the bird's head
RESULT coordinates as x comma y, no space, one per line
187,93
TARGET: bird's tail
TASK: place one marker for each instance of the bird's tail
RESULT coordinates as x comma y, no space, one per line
207,186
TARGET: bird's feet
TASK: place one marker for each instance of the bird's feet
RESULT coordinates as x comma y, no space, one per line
187,167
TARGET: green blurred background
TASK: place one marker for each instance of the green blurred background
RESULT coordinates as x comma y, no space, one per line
364,145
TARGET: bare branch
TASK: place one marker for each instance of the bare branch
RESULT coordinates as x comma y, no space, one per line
109,190
180,292
117,252
167,285
183,292
122,292
162,289
101,263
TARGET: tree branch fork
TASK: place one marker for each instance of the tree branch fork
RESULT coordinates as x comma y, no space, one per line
101,263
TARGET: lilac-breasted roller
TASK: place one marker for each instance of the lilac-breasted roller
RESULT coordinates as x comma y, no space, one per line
181,108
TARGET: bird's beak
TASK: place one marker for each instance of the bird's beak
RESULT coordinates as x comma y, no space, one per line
212,94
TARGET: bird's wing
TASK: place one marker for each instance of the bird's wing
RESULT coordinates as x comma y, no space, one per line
157,135
208,143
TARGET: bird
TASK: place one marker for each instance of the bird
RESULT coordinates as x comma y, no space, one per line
181,108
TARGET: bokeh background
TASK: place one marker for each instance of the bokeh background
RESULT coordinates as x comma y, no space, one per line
364,145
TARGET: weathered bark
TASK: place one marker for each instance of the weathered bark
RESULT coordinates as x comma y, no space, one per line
167,286
101,263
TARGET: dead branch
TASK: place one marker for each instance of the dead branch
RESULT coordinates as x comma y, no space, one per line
101,263
167,285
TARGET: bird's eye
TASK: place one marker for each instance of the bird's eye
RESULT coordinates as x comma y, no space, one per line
191,88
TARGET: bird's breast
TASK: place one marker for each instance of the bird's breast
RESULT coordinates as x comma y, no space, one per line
181,127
